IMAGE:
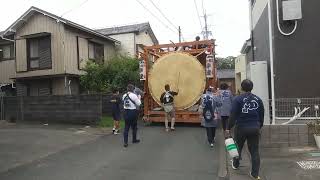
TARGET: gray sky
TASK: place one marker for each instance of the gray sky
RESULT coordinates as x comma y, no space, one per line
228,19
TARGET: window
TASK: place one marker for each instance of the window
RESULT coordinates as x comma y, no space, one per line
6,52
96,52
39,53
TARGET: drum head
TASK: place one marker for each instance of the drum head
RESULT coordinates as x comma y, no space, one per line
185,75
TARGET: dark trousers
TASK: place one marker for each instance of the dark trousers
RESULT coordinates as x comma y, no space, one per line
252,136
211,133
224,120
131,118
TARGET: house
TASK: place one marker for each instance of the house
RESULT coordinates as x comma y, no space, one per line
7,66
227,76
285,34
240,71
132,37
51,52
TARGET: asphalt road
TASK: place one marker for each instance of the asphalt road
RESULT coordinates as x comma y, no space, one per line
180,155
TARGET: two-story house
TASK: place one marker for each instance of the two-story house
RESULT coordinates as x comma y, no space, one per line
50,53
132,37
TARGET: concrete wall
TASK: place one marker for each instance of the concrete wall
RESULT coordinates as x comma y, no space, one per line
276,136
53,109
128,42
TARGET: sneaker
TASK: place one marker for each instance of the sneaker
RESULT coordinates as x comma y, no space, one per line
125,145
257,178
211,145
136,141
172,129
113,130
235,163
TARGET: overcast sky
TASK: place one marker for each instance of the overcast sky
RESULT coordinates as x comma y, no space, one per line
228,19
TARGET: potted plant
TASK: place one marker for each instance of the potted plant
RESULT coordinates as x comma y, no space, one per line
315,127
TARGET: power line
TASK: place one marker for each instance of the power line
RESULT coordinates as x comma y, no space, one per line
163,14
156,16
195,3
74,8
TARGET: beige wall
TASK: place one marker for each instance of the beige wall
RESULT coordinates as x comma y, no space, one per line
71,56
7,71
127,46
144,38
240,70
36,24
63,46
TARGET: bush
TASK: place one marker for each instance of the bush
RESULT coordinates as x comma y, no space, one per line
108,122
116,73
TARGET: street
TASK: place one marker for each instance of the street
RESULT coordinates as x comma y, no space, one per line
179,155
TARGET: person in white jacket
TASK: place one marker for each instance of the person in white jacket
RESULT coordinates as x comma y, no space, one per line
131,103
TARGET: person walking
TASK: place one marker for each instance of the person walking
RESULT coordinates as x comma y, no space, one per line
116,112
247,115
167,100
209,103
131,104
225,109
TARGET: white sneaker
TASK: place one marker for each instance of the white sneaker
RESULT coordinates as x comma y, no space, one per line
257,178
116,132
211,145
172,129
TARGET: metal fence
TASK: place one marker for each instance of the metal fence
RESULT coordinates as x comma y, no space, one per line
286,108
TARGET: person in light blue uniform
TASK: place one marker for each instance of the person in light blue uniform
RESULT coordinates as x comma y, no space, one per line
210,124
225,109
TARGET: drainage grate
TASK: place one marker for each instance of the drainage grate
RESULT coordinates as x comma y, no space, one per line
309,164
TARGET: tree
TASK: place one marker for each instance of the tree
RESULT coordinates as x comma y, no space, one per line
226,63
116,73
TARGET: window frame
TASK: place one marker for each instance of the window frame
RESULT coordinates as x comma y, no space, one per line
96,45
29,58
11,48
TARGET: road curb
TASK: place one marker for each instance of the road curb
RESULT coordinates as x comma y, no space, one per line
223,173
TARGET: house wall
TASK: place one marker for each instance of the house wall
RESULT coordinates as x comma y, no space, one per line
71,55
128,42
145,39
7,71
296,58
58,86
257,11
240,71
36,24
261,37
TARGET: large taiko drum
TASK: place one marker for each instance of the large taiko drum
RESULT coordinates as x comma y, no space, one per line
184,73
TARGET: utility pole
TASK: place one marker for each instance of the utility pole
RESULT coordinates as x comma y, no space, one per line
205,27
179,34
206,33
